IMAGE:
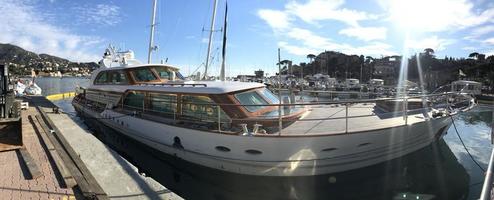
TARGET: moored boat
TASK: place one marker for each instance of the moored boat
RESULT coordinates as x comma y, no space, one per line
243,128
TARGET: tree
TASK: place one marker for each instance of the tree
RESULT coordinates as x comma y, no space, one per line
311,57
287,65
429,52
473,55
311,60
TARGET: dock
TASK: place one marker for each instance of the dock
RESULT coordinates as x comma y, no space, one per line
61,159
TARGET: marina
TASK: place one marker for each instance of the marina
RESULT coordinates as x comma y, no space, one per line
448,156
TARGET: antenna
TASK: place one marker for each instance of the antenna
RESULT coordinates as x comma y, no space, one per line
152,47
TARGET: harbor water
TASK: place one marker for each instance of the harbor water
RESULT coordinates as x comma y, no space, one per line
443,170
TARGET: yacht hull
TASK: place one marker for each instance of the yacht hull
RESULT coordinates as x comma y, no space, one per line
275,155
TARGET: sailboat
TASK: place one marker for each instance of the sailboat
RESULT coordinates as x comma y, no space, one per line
243,128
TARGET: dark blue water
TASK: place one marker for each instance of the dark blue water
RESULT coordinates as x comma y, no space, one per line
443,170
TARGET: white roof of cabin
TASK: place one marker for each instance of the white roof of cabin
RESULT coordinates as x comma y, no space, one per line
212,87
135,66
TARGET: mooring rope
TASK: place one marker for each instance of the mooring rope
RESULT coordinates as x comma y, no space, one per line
464,146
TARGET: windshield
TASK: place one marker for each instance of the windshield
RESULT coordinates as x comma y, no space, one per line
164,72
143,74
251,98
269,95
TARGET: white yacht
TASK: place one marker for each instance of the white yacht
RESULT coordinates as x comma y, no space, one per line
243,128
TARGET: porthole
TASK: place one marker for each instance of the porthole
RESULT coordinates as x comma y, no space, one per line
253,152
364,144
222,148
329,149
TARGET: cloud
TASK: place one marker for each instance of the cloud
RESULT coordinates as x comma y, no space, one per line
433,42
468,48
313,43
275,18
489,53
296,50
301,41
25,26
317,10
309,39
365,33
99,15
435,16
489,41
482,30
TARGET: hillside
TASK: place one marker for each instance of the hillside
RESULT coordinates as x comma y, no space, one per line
22,62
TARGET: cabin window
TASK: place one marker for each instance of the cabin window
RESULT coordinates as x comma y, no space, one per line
164,73
102,78
143,74
252,99
118,77
134,100
201,108
270,96
163,104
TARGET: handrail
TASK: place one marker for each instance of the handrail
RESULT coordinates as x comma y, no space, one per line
174,84
215,119
487,187
325,102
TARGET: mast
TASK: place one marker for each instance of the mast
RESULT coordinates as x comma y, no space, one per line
222,70
280,123
210,40
151,37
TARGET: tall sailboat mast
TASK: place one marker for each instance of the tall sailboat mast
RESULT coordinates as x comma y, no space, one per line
210,40
222,70
151,37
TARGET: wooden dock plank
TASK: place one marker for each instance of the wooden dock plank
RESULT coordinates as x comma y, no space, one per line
32,167
73,169
84,178
69,180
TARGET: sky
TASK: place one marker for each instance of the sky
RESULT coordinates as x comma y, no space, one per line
81,30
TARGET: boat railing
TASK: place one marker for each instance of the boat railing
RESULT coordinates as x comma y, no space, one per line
211,116
487,193
174,84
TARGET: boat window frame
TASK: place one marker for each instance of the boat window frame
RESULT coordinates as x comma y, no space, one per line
135,80
178,115
261,91
100,74
258,93
126,94
110,78
213,105
174,104
171,73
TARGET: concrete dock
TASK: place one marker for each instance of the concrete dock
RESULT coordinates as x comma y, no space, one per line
68,162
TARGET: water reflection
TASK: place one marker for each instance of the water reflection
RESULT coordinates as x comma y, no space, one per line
481,116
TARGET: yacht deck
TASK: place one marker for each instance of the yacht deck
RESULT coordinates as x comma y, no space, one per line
317,122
